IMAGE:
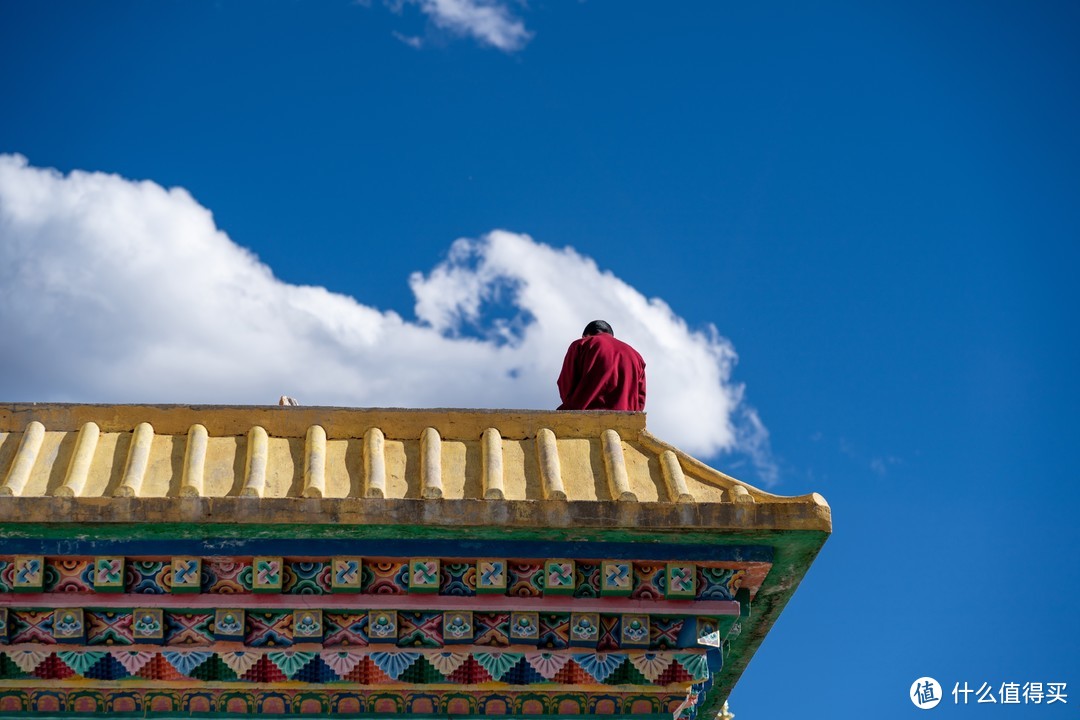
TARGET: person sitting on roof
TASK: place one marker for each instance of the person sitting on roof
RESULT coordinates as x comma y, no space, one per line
601,373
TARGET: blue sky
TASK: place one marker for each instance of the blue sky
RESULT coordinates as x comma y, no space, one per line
874,207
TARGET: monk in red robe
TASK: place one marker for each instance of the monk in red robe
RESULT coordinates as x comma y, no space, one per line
602,373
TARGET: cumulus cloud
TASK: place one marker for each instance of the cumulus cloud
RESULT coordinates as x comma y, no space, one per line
120,291
489,22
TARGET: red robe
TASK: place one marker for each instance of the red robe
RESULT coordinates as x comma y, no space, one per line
602,373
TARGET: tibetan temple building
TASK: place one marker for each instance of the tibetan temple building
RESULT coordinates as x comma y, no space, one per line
174,561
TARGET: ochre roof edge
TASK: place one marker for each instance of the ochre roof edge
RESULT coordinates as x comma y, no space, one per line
714,477
339,422
757,519
545,430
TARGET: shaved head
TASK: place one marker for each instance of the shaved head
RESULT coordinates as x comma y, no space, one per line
597,327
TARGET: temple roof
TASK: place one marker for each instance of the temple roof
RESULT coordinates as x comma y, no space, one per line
426,521
334,457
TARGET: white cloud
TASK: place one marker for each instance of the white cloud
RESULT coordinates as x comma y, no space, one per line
410,40
120,291
490,22
752,438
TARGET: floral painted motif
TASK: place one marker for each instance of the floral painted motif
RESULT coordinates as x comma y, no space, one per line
584,629
307,625
708,632
229,624
525,579
547,664
68,625
719,583
650,581
382,626
458,579
147,625
635,631
525,628
457,627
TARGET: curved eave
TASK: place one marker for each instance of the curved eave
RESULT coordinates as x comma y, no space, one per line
508,514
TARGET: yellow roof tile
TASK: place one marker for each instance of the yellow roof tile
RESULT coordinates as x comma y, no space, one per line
270,455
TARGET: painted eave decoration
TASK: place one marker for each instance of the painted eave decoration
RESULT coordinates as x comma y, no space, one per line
223,560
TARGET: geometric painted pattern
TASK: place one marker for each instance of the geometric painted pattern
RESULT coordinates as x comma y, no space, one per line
29,573
423,666
681,581
491,576
616,577
189,628
521,578
322,599
109,574
346,574
491,629
424,575
108,627
268,574
677,581
268,655
347,630
559,577
186,573
269,628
